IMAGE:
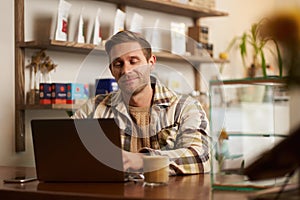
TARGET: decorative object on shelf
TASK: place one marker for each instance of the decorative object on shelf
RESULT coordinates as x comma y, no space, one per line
154,35
105,86
198,43
40,66
136,23
61,32
97,36
199,33
77,93
63,93
45,93
178,40
81,29
59,93
258,43
119,23
284,27
46,67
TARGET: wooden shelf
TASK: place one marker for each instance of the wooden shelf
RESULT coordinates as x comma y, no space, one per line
87,48
60,46
270,80
67,107
171,8
186,58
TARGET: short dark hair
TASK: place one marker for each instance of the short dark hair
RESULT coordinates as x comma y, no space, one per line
129,36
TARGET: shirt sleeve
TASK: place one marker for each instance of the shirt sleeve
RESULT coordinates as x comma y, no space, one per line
87,110
190,154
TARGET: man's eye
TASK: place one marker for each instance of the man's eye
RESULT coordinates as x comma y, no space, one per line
134,61
117,64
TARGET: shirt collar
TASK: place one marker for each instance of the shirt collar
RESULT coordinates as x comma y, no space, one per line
162,96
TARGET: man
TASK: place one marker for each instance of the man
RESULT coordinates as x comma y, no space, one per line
154,120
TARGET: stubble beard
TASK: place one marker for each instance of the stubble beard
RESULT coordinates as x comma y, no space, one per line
130,92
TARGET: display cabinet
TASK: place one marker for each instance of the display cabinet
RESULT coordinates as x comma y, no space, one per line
247,117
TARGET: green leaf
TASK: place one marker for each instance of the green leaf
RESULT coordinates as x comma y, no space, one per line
263,63
230,45
254,32
243,48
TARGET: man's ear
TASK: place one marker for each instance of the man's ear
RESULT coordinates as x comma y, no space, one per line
152,61
110,68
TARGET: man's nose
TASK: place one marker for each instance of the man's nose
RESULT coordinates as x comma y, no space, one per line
126,68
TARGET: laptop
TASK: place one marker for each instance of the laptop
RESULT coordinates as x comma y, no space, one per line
80,150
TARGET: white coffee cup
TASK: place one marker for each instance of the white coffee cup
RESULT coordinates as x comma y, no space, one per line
156,170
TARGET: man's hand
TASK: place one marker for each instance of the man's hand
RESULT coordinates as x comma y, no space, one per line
132,161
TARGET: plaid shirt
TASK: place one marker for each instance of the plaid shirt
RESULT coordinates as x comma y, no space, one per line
178,127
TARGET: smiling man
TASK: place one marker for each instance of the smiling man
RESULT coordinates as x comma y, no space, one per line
154,120
131,70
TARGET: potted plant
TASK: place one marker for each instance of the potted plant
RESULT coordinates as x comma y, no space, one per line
258,44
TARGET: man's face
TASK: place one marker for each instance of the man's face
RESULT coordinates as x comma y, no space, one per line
130,67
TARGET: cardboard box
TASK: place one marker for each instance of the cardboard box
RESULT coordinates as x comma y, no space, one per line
105,86
59,93
77,93
199,34
45,93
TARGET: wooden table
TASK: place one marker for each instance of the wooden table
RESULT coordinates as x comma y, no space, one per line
179,187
